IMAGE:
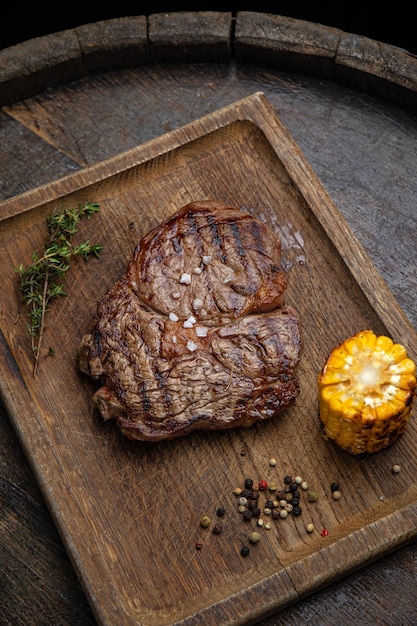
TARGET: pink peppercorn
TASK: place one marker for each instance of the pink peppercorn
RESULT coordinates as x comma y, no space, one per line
263,485
324,532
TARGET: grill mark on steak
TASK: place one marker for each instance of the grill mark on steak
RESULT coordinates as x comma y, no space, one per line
176,244
241,372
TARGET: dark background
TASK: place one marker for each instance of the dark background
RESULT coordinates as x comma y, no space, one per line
391,23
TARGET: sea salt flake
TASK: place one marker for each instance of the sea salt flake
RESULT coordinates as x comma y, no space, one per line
185,279
197,303
191,346
189,322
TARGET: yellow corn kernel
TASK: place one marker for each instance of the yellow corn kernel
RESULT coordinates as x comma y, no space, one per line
366,391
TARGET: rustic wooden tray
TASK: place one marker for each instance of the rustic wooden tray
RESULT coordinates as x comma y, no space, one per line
129,512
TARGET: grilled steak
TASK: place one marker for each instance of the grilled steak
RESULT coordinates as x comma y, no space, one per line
196,334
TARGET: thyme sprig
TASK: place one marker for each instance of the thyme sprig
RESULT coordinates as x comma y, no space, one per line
43,280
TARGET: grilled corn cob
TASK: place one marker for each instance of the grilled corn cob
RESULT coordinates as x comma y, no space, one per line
366,391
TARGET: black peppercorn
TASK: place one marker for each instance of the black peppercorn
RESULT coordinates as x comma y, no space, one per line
287,480
217,528
220,511
297,510
269,504
248,483
334,487
247,493
244,551
247,515
256,512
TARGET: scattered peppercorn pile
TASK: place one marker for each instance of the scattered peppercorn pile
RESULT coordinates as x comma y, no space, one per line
263,502
259,499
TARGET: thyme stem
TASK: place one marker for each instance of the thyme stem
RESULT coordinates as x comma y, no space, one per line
42,281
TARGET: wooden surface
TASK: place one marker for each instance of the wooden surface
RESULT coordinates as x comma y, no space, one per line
363,149
112,526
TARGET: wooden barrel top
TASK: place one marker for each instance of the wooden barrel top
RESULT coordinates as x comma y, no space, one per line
71,99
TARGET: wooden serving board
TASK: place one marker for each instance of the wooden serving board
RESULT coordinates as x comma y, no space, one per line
129,512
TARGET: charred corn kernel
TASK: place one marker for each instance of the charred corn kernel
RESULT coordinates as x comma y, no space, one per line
366,391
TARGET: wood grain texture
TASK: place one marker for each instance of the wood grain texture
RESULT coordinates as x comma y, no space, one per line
276,41
103,527
204,36
111,44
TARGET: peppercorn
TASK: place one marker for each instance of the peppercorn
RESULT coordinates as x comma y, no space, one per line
244,551
310,528
217,528
280,495
247,493
247,515
336,495
272,462
269,504
287,480
275,514
198,545
273,487
396,469
205,521
220,511
256,512
293,486
263,485
248,483
324,532
254,537
297,510
312,496
334,487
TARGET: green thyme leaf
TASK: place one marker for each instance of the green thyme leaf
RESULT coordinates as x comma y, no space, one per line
43,280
